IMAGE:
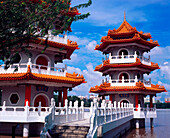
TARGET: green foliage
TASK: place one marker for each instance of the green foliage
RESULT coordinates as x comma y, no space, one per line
22,20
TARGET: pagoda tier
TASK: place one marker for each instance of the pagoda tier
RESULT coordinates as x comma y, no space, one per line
126,34
60,46
126,64
139,87
33,74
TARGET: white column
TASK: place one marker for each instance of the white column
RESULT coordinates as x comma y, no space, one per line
26,130
137,124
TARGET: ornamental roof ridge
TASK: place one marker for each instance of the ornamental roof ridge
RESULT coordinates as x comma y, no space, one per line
139,86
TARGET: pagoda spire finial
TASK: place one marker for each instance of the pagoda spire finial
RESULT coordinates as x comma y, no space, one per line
124,16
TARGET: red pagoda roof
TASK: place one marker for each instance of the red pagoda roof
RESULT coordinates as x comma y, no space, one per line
126,34
106,87
70,46
107,65
70,78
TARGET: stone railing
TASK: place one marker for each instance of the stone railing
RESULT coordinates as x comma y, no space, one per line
145,112
61,115
128,59
107,113
40,69
128,82
23,113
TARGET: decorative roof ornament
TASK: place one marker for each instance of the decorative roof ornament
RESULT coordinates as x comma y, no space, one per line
124,16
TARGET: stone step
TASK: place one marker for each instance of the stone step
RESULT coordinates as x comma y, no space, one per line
69,131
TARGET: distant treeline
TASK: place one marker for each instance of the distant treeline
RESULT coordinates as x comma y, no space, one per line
87,102
160,105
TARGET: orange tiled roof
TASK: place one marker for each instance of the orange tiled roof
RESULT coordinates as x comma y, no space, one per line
105,87
106,65
74,78
70,46
126,34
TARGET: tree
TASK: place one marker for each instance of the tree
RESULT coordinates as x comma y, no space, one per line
22,20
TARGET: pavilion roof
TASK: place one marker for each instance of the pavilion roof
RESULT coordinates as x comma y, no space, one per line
126,34
74,78
70,46
106,87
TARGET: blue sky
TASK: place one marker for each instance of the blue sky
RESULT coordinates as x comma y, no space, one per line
146,15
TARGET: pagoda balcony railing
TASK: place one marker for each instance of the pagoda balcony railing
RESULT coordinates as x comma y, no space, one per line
129,82
40,69
128,59
62,38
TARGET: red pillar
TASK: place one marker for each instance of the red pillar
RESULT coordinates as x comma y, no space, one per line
64,95
111,98
60,97
151,102
27,94
136,101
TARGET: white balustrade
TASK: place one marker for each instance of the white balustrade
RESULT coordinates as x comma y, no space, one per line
40,69
107,113
144,112
23,113
57,38
128,82
128,59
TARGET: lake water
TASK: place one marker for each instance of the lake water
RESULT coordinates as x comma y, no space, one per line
161,127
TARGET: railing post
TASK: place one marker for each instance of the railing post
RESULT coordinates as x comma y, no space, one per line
77,109
39,68
3,106
29,63
122,56
52,109
135,56
123,80
122,110
91,108
115,109
66,107
39,108
127,109
136,79
110,105
48,68
26,109
82,108
119,109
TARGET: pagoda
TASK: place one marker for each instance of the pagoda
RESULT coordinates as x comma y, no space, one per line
36,78
125,64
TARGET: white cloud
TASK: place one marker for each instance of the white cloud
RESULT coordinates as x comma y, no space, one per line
93,78
91,45
79,40
165,63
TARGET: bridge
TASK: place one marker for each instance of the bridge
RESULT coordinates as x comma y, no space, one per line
99,120
96,121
